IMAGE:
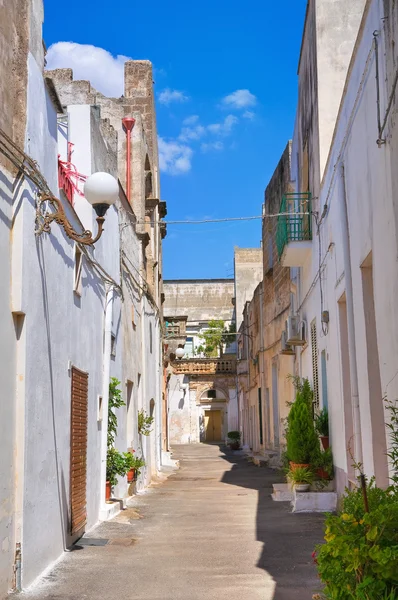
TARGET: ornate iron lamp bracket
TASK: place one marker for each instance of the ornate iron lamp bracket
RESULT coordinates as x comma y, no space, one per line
44,218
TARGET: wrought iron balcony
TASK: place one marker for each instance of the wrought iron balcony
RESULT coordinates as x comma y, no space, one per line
294,232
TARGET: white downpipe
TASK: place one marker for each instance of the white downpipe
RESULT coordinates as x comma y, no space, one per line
105,390
356,415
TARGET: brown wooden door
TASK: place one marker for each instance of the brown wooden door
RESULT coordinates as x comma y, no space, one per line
78,462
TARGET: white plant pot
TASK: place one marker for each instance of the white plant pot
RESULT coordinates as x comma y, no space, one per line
302,487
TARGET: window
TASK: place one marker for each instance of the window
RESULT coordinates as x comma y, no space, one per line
99,409
113,345
260,416
77,286
315,378
212,394
324,380
189,347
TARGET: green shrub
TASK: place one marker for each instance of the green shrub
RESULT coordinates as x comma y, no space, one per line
360,557
322,423
117,464
302,441
301,475
144,423
234,436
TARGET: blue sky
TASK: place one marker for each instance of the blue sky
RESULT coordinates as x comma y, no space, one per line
226,88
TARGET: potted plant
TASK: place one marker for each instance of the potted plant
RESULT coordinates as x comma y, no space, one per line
117,465
322,427
136,465
323,464
234,440
130,462
301,438
301,477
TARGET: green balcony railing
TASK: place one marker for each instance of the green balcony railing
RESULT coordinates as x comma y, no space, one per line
294,223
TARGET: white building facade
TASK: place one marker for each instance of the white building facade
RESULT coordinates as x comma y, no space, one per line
73,315
347,282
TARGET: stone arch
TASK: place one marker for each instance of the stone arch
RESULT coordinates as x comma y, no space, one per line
202,389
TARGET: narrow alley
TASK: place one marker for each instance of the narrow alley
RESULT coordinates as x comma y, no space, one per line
211,531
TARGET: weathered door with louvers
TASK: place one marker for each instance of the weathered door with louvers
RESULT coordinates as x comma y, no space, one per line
78,462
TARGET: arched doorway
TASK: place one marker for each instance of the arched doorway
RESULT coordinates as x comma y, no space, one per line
212,418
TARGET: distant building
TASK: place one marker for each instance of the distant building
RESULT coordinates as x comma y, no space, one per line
201,391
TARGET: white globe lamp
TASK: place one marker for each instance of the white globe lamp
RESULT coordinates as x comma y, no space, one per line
101,190
180,352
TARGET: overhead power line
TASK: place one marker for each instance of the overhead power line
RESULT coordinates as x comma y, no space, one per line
223,220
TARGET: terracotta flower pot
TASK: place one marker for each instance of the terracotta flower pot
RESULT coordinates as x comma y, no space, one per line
322,474
234,445
108,490
295,466
131,476
325,441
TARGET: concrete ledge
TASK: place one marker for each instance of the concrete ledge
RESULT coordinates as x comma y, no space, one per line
314,501
167,461
112,508
282,492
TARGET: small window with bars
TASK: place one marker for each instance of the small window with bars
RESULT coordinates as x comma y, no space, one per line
212,394
315,377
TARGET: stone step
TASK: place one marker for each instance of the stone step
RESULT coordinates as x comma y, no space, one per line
282,492
314,502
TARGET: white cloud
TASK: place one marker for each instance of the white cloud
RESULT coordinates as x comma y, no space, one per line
104,71
208,147
174,158
168,96
191,120
192,133
225,127
248,114
240,99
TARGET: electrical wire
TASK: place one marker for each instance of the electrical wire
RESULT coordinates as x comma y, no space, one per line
221,220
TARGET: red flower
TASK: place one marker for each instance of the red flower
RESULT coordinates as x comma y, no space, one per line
314,557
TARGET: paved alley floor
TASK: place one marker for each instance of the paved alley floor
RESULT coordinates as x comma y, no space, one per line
210,532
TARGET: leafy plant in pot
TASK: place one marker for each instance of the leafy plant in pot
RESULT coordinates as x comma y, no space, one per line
118,464
322,427
234,440
301,477
323,464
136,466
302,440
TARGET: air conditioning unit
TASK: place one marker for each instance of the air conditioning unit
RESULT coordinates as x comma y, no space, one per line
295,332
287,349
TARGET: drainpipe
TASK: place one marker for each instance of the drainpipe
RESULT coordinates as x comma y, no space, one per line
356,415
105,390
128,124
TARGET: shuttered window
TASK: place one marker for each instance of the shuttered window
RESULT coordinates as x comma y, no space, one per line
315,378
78,462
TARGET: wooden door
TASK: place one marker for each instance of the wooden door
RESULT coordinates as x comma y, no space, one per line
78,461
213,425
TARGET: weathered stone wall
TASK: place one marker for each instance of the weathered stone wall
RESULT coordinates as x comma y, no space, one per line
248,269
14,47
200,300
276,307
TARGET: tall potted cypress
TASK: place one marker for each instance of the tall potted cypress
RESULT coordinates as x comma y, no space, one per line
302,440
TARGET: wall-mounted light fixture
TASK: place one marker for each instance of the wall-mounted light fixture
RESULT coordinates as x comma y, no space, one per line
100,189
180,352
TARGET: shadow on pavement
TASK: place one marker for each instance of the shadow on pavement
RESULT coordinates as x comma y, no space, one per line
288,539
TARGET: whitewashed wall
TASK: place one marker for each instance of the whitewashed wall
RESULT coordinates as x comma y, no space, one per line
371,205
61,329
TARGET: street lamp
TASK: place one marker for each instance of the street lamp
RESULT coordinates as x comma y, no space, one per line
101,191
180,352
